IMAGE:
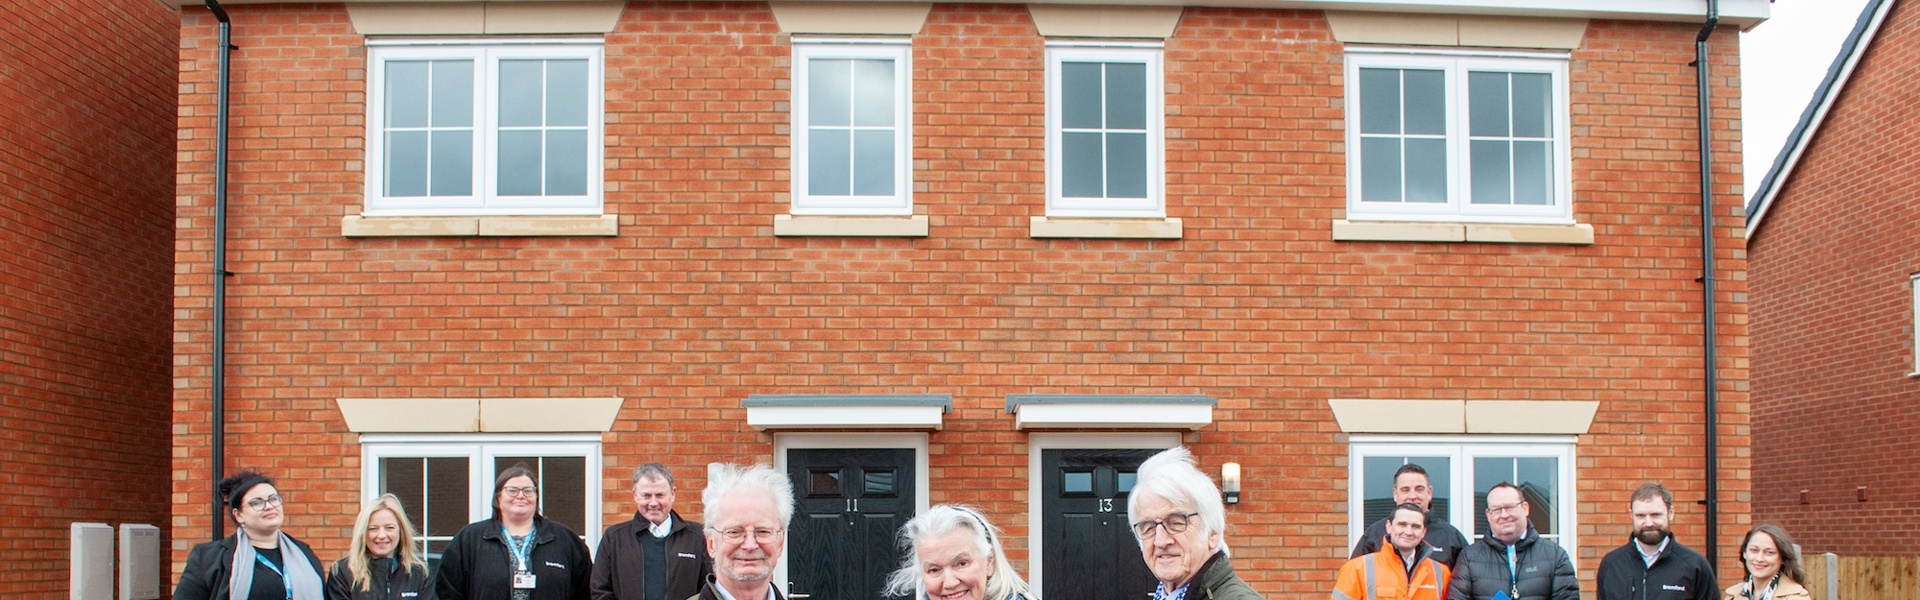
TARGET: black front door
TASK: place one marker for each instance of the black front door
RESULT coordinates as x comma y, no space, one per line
852,503
1089,549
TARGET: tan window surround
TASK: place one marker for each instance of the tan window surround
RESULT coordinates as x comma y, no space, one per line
1097,228
1578,234
851,18
485,18
1112,22
1465,416
479,415
1456,30
480,226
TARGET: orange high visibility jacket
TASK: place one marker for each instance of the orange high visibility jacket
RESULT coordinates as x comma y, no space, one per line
1383,576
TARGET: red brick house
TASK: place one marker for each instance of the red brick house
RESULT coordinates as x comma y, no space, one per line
966,252
87,97
1836,389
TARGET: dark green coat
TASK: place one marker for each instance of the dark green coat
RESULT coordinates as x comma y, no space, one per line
1216,581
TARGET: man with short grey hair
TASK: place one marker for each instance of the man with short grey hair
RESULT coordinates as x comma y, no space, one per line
747,512
655,556
1177,513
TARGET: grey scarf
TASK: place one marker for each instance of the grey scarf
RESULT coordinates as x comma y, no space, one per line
305,578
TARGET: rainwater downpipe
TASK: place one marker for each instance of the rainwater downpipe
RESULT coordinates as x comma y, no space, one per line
220,273
1712,501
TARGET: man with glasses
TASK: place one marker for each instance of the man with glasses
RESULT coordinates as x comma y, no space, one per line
747,512
1177,513
1410,485
657,555
1653,565
1512,562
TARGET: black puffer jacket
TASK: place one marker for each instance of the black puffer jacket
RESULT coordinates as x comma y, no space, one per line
386,581
1546,573
1678,574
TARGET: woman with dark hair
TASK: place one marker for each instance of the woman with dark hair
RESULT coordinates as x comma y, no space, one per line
381,562
1773,567
258,562
517,554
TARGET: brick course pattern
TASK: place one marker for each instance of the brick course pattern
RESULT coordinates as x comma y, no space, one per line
86,178
696,304
1833,331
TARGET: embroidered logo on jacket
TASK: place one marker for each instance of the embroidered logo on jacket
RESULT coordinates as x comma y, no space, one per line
1674,588
685,555
556,565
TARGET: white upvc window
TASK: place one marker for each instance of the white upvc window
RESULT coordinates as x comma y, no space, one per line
471,128
446,481
1105,131
1445,136
1460,470
852,127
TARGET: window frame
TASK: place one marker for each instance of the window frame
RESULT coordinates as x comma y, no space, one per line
1913,323
485,199
900,51
481,452
1460,452
1150,54
1459,206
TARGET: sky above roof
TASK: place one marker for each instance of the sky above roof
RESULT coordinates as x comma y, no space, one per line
1781,62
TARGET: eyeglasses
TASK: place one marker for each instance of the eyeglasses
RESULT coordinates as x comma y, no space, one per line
760,536
1510,508
1174,524
263,502
520,492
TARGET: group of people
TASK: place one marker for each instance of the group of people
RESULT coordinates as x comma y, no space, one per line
951,552
1414,555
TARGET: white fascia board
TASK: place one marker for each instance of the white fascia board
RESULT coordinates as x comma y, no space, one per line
765,418
1112,416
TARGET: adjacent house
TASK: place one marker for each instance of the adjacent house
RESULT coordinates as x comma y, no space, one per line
995,254
87,97
1835,289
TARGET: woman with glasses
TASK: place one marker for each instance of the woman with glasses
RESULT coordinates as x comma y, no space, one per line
258,562
517,554
954,554
1773,569
381,562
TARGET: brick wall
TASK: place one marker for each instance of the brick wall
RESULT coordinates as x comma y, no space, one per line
1833,329
696,305
86,124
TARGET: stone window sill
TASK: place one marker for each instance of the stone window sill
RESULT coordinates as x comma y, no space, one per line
1152,229
1578,234
594,226
842,226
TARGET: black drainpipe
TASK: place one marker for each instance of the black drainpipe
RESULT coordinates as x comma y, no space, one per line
1706,278
220,272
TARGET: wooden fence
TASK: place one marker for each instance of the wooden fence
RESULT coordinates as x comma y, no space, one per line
1863,577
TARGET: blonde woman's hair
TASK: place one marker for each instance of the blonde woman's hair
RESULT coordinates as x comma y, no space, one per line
403,552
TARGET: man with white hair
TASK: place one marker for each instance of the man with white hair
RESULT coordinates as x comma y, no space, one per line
747,510
1177,513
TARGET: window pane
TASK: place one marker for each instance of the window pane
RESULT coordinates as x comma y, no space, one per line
1080,95
1380,169
1426,102
878,483
567,93
1532,173
566,162
873,93
1380,101
829,89
1539,481
1124,481
1492,172
1487,104
1126,96
520,92
519,169
1076,482
873,163
563,481
1126,165
1426,170
406,478
406,89
452,160
1531,98
828,161
452,93
406,163
448,483
823,484
1080,162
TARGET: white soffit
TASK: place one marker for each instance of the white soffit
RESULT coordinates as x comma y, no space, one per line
767,412
1046,411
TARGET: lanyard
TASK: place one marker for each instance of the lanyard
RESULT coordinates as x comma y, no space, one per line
1513,573
521,552
285,581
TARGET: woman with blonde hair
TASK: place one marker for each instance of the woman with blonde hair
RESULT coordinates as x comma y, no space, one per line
383,563
953,554
1773,568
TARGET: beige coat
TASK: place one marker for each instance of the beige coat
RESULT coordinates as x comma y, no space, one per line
1788,590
